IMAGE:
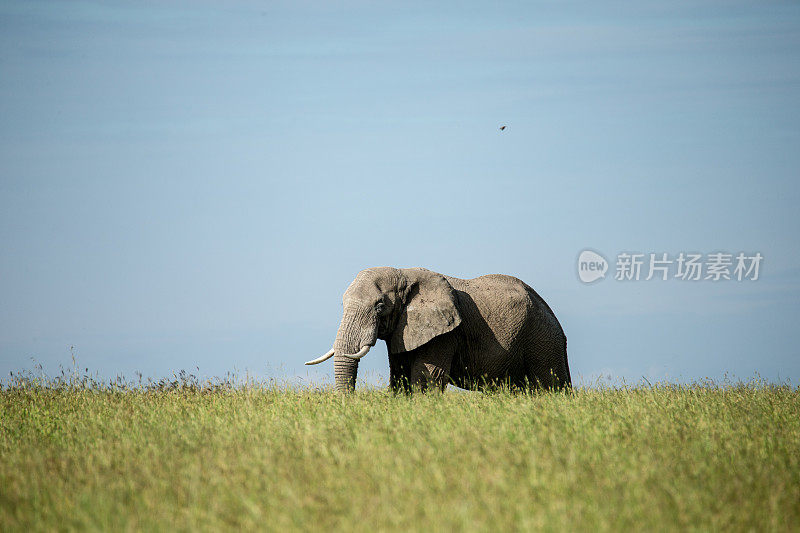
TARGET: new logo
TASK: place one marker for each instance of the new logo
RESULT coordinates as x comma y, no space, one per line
591,266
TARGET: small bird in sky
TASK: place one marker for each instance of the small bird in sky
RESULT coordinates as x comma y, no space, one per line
503,127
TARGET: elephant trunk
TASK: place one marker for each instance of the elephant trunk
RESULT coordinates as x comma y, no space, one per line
346,370
358,329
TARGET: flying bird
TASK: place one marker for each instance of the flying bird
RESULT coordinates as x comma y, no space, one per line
503,127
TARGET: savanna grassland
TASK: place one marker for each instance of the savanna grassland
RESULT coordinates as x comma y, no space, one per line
208,457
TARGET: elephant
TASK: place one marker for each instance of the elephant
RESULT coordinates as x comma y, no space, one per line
476,334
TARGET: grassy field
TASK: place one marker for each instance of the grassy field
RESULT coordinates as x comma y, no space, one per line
700,457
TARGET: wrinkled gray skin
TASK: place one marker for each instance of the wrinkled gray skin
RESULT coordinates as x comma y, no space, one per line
475,334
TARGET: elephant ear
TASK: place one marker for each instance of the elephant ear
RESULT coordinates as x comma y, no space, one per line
430,310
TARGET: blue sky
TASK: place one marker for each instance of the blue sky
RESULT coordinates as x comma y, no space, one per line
195,184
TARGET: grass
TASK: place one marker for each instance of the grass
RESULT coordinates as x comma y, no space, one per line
77,454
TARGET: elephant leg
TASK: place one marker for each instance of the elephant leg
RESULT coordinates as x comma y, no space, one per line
545,358
548,373
400,373
431,368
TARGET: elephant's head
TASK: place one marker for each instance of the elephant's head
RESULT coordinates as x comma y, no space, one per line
405,307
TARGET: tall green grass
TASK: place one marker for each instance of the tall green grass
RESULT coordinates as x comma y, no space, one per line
80,454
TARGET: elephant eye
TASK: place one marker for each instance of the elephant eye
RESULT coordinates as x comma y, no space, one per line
379,307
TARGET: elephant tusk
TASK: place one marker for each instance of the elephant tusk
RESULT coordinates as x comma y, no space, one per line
321,359
361,353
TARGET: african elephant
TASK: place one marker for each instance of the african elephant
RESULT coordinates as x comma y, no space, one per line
473,333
